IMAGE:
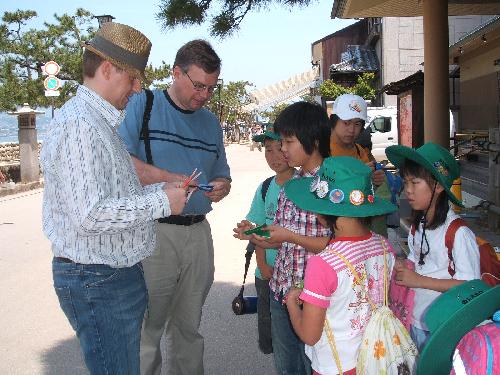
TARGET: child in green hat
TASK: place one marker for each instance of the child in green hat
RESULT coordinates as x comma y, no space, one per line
428,173
262,211
343,199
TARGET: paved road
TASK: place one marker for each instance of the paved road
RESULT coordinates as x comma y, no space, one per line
35,337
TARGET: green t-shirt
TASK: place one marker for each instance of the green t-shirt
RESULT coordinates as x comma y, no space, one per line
263,212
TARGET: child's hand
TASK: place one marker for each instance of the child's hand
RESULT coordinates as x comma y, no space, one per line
279,234
406,277
378,175
292,297
241,227
264,242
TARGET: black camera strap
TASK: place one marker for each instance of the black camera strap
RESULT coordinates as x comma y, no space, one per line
248,258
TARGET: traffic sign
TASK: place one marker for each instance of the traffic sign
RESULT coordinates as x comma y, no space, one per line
51,68
52,83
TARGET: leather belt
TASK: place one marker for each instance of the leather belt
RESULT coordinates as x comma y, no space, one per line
182,220
63,260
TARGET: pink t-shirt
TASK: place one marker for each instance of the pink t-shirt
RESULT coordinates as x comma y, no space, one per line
330,284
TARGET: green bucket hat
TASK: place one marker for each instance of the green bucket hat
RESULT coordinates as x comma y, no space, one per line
269,133
450,317
343,187
434,158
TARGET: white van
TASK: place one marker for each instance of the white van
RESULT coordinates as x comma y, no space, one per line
381,129
382,125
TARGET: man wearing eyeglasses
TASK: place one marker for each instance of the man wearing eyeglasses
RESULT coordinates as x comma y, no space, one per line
181,135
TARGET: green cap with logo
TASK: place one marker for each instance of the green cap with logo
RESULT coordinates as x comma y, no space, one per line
269,133
451,315
434,158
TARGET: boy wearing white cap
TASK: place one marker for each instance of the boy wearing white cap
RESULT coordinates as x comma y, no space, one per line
347,121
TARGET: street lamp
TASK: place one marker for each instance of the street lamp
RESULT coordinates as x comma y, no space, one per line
104,18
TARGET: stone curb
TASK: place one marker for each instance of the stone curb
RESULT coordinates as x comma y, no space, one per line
6,189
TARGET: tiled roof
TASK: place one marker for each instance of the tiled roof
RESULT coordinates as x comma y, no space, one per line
356,59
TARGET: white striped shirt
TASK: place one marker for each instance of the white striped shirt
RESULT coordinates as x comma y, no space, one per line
94,208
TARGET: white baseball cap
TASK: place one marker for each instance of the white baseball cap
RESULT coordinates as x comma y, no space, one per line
349,106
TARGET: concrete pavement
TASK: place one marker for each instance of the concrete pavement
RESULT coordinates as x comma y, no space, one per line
36,338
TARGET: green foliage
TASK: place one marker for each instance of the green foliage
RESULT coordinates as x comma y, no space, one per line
274,112
24,50
156,77
331,90
363,87
308,98
228,101
230,14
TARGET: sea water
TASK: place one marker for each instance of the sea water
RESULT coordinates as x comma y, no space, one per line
9,127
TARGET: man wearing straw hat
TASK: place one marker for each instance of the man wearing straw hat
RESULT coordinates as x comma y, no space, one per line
95,212
181,137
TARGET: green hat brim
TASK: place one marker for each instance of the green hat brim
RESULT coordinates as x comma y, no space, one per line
436,357
267,134
397,155
297,190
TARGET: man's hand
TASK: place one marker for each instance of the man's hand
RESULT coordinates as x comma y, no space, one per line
222,187
176,196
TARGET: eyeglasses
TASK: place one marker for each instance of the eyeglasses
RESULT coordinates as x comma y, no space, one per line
200,86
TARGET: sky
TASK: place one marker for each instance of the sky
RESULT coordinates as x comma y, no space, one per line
271,45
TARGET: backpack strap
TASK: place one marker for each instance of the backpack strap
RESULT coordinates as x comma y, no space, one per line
449,239
145,125
265,187
357,150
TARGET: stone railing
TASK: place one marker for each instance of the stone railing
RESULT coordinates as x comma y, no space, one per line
9,152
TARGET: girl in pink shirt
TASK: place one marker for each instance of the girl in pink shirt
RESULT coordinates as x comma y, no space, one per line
335,306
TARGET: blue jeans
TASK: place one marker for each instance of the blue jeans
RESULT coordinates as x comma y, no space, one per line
263,316
105,306
289,355
419,337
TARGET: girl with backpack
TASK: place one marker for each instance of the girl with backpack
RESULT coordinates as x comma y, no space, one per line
347,281
428,173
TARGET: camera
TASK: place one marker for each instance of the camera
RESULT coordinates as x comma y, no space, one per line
244,305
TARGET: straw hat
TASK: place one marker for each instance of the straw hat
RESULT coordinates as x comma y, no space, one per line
343,187
122,45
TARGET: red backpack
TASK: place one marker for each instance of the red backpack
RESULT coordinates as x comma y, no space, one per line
488,259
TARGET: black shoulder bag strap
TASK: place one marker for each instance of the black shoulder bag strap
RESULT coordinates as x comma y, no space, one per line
265,187
145,125
251,246
248,257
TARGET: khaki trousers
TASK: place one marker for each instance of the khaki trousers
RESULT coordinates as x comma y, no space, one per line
178,276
